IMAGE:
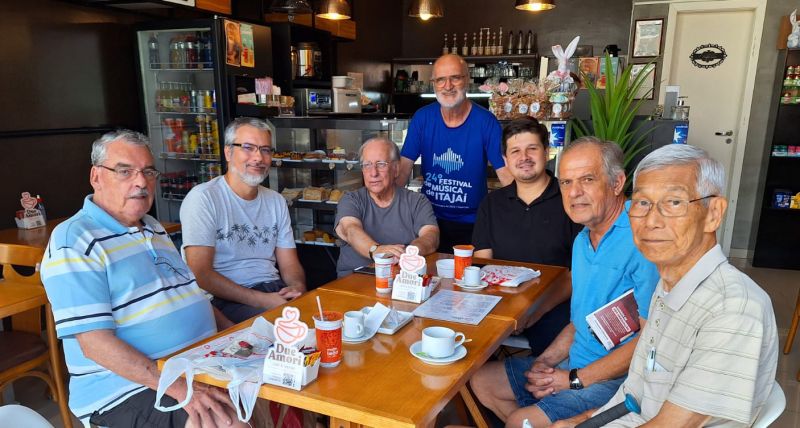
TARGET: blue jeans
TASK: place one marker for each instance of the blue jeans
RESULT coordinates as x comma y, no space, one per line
564,404
238,312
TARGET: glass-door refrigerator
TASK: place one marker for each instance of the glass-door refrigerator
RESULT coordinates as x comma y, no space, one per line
191,74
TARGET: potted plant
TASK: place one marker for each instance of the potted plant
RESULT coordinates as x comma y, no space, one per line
613,110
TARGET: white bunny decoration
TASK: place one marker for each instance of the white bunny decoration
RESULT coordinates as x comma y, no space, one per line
562,73
794,38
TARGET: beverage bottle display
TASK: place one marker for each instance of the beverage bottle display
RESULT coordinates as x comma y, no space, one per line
510,49
191,52
519,43
454,49
500,41
529,43
465,48
152,47
474,49
205,50
445,48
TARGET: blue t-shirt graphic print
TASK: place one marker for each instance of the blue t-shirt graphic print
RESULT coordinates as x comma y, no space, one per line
454,159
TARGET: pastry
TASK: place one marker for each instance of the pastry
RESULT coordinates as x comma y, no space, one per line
315,193
335,195
309,236
296,156
328,238
318,234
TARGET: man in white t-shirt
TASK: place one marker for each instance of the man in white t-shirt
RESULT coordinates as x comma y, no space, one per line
237,236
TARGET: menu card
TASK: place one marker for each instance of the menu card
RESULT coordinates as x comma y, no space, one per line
456,306
616,321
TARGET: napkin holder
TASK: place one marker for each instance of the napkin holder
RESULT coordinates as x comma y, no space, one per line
286,364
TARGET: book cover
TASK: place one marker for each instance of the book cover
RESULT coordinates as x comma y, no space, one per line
616,321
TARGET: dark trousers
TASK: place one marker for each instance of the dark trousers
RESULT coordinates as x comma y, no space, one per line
453,233
542,334
238,312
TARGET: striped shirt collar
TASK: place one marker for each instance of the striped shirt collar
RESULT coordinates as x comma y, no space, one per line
105,219
704,267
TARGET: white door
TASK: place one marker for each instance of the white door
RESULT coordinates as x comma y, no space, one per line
709,54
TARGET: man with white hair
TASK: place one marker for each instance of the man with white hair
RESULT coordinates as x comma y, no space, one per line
709,352
382,217
237,234
122,298
455,137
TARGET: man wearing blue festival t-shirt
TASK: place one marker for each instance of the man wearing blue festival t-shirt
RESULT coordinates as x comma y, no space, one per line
455,138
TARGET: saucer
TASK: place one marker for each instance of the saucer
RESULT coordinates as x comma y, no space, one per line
416,350
461,284
361,339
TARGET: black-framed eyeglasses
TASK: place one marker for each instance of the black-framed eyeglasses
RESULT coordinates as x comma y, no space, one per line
380,165
253,148
165,263
668,207
455,79
127,173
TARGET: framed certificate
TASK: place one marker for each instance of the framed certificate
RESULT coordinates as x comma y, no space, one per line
647,38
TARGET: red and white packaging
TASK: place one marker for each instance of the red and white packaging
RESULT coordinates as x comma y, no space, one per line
508,276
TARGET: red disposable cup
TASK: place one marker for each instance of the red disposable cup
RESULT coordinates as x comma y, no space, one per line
329,338
463,259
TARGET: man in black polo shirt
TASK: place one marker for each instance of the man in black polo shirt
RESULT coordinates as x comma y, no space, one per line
525,221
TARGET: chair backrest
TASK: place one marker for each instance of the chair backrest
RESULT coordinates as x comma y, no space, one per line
20,255
776,403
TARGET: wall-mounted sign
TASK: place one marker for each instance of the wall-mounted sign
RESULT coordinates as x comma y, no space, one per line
708,56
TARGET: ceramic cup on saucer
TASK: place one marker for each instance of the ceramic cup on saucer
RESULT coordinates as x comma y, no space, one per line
472,276
440,342
353,324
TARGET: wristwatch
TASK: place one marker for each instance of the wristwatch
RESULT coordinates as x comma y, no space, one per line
372,250
574,382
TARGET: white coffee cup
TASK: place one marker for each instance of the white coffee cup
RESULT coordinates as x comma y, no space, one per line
445,268
473,275
353,324
440,342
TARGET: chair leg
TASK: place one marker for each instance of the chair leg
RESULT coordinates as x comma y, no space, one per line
56,370
793,329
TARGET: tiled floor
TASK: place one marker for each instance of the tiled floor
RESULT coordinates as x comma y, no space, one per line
782,286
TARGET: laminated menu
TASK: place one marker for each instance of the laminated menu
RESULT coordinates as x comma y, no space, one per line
508,276
465,308
616,321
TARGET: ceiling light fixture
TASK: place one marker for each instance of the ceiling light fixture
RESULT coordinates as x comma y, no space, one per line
334,9
426,9
535,5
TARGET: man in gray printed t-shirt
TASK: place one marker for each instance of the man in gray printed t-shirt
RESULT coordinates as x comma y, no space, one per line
381,217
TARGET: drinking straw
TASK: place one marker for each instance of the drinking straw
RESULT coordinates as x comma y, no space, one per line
319,305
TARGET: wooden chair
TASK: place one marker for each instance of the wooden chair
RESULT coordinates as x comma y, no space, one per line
24,351
793,330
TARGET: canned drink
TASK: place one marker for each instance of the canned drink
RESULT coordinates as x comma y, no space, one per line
207,102
199,101
193,101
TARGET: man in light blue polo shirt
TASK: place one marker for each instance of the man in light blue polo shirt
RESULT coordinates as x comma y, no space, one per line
576,372
122,298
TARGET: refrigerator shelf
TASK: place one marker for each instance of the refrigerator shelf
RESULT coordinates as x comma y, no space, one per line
189,157
192,113
156,70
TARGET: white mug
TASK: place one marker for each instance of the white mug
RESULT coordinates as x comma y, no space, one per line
353,324
440,342
473,275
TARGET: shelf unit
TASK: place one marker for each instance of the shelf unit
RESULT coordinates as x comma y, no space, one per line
778,238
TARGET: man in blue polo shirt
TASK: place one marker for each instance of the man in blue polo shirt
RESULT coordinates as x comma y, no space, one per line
122,297
576,372
454,137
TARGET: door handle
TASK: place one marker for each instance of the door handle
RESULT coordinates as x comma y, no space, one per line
724,134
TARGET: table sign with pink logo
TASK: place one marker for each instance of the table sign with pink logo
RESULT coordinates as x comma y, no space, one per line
293,361
409,285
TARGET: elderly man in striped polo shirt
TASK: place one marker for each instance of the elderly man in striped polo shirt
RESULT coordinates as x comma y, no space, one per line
122,297
709,352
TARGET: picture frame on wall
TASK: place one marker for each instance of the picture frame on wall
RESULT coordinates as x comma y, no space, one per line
647,37
646,91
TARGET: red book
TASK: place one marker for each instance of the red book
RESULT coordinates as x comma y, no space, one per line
616,321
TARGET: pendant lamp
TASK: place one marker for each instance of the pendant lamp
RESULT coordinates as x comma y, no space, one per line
334,9
535,5
296,7
426,9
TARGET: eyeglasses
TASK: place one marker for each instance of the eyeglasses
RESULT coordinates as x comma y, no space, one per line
455,79
164,262
252,148
670,207
380,165
127,173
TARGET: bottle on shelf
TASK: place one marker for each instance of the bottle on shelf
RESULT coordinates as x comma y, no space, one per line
191,52
204,47
465,48
529,43
474,49
445,47
454,49
152,47
500,41
491,46
510,49
519,43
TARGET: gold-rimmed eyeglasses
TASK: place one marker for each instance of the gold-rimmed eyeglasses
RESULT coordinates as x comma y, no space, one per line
668,207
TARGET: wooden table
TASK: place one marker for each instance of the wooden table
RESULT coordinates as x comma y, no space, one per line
40,236
516,303
379,383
